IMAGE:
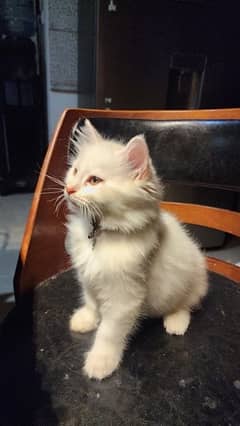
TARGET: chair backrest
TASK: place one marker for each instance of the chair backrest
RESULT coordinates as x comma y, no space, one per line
197,148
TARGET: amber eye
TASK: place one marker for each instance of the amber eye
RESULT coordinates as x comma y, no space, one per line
94,180
75,171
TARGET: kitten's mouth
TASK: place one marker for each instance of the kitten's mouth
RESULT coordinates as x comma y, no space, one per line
75,200
89,209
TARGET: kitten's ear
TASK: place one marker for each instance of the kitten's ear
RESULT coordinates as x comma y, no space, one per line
84,131
91,131
137,155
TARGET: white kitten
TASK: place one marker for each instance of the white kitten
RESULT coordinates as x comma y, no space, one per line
131,258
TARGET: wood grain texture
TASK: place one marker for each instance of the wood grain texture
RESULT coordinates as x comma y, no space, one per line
212,217
42,253
38,192
214,114
228,270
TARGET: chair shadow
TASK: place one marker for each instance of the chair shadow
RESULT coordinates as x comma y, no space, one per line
6,305
23,399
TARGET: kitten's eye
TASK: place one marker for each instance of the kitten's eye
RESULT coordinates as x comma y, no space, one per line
94,180
75,171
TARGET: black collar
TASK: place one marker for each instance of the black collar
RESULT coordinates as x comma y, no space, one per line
96,228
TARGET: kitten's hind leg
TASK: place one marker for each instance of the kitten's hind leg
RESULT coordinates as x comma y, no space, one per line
177,322
86,318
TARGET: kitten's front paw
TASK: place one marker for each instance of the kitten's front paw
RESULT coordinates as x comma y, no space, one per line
177,323
101,364
83,320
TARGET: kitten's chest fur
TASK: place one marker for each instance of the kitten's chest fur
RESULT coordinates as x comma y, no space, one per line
109,253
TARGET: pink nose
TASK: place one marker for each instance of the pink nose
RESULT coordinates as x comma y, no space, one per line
70,190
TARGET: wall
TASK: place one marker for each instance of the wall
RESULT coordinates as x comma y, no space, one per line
69,50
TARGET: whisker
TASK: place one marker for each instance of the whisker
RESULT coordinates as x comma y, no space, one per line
57,208
90,209
59,182
59,197
83,206
59,204
54,187
97,210
56,180
49,192
52,200
85,210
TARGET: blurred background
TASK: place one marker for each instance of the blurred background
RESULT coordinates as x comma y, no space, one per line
119,54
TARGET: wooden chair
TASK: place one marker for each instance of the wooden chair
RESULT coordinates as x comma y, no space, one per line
163,379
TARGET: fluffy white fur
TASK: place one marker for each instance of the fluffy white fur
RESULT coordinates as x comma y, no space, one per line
141,261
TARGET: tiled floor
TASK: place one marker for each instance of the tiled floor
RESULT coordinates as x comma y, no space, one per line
13,214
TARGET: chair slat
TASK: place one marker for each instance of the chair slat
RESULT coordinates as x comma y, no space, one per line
226,269
211,217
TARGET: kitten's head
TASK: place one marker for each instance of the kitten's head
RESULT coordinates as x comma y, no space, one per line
111,182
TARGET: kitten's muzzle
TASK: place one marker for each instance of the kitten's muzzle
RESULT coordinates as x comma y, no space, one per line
70,190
